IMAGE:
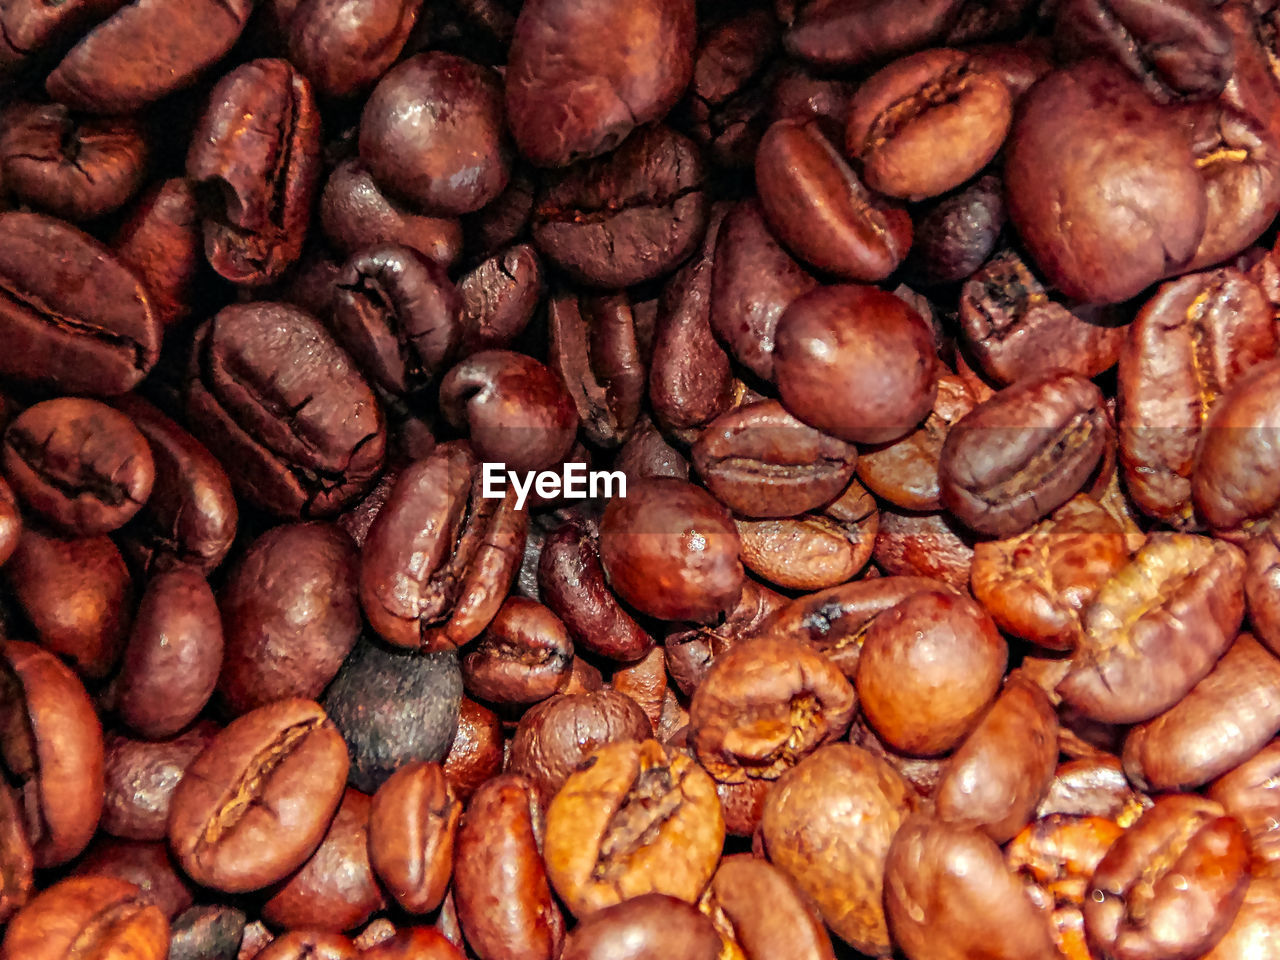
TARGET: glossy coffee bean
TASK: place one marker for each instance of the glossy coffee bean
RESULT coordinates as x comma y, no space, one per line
342,50
523,656
476,753
412,825
140,777
89,916
256,803
647,925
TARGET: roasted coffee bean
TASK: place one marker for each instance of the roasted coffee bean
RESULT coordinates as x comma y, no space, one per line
670,550
1249,793
78,464
647,454
290,613
832,33
355,213
413,943
393,707
689,652
73,316
439,558
268,173
593,348
499,298
1014,330
89,917
172,659
924,545
580,78
819,208
306,444
74,168
432,134
651,924
411,835
524,655
78,596
1180,48
1192,341
1097,234
1253,932
163,244
905,471
343,49
1092,787
954,237
190,519
1036,585
306,945
147,866
998,775
206,933
726,101
1172,883
827,825
645,682
1232,486
257,802
760,461
790,928
1225,718
1156,628
927,123
140,777
335,889
765,705
52,752
398,315
555,736
17,863
10,522
476,753
627,217
497,856
1022,454
635,818
949,895
517,411
855,362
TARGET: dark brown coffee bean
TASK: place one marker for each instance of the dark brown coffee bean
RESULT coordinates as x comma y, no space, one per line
499,298
927,123
819,208
10,522
648,454
52,751
1190,343
335,889
74,168
955,236
411,835
432,134
593,348
497,858
355,213
996,777
89,917
1097,234
291,614
524,655
1171,884
928,669
517,411
1036,585
1022,454
627,217
140,778
948,895
476,753
163,244
1156,628
765,705
394,707
79,464
1225,718
343,49
580,78
77,594
855,362
74,317
256,803
827,825
789,928
268,174
760,461
146,865
306,444
832,33
649,925
725,107
670,550
440,558
635,818
398,315
172,659
924,545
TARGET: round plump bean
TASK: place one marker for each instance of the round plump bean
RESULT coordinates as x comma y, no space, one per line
649,925
411,835
140,777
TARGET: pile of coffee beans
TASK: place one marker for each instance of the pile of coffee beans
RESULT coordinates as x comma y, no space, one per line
639,479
